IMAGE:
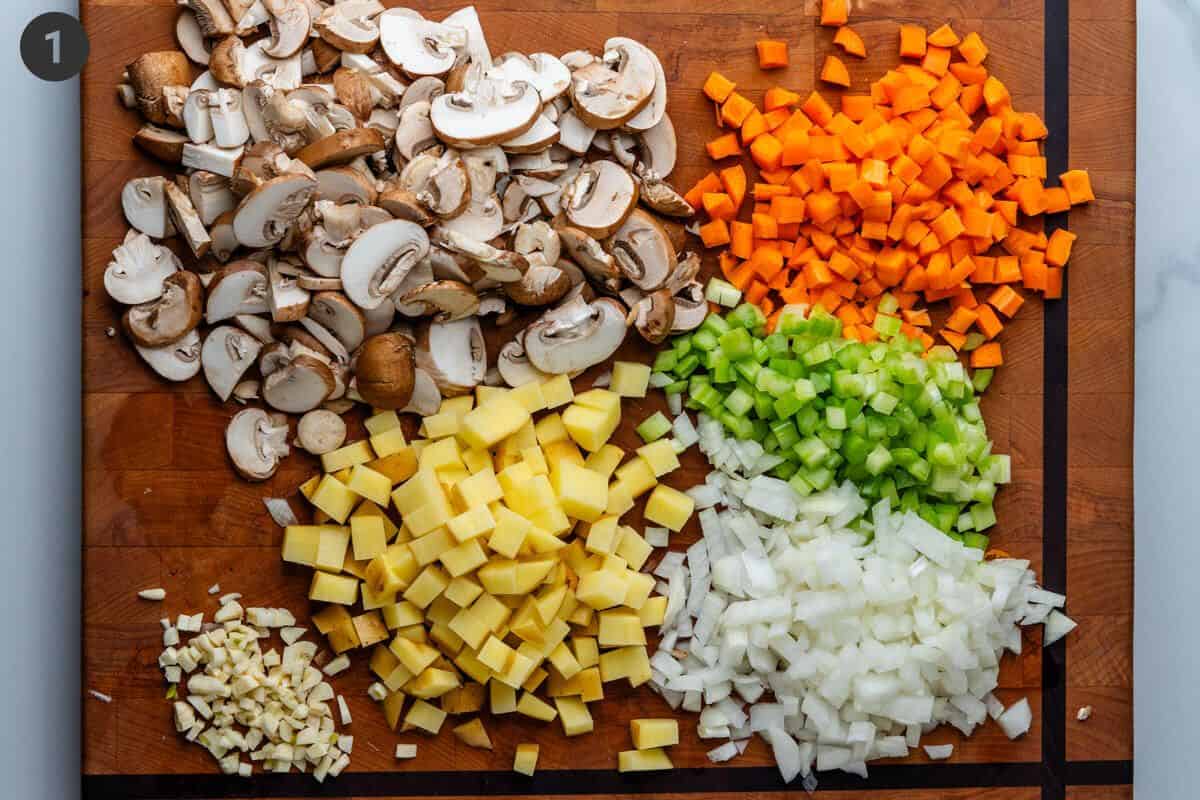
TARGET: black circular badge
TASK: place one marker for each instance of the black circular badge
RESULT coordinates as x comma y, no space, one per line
54,46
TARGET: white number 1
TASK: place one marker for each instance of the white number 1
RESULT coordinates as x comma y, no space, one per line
55,39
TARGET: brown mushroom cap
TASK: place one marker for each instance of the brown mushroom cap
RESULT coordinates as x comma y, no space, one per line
150,74
654,316
169,318
384,370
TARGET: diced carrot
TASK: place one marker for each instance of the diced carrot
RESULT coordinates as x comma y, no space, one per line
835,72
1008,269
817,109
972,49
775,119
947,226
718,88
735,109
787,210
1033,270
857,106
772,53
971,97
733,181
827,148
718,205
1055,200
1058,249
841,176
953,338
822,206
753,126
795,149
987,321
1006,300
765,226
912,41
763,192
723,147
834,13
756,292
850,42
714,233
985,269
911,98
919,317
767,262
1078,185
986,356
936,61
777,98
943,37
777,177
996,95
709,183
1054,283
767,151
741,239
962,319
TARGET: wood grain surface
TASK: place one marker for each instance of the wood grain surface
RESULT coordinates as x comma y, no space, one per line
163,508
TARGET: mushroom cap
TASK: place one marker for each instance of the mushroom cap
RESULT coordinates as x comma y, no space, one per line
658,147
417,45
661,198
165,145
151,74
145,205
384,370
447,189
643,251
514,366
453,353
654,316
138,269
350,26
423,90
354,91
426,397
342,147
320,431
379,260
255,443
226,355
600,198
263,217
548,76
402,203
166,320
345,185
291,23
179,361
691,308
340,317
575,335
239,287
414,131
482,220
537,138
541,285
608,92
300,385
651,113
493,111
445,300
588,253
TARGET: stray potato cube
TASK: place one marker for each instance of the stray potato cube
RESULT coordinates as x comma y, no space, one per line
643,760
574,715
533,706
669,507
652,733
424,716
473,734
525,761
630,379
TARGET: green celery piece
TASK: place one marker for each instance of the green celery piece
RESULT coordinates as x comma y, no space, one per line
982,378
687,365
739,402
665,361
879,460
737,344
984,516
715,325
678,387
835,417
812,451
979,541
654,427
704,340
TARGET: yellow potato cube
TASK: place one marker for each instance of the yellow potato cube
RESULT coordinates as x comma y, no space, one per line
370,628
564,661
549,520
633,548
520,667
530,396
494,420
589,427
440,425
651,733
661,456
534,457
549,601
601,589
342,475
367,509
470,666
602,536
457,406
382,661
465,699
533,706
637,475
502,698
535,679
372,600
582,493
432,581
329,618
499,576
392,706
531,573
300,544
605,460
402,614
425,717
334,498
415,656
464,558
472,523
669,507
630,379
469,627
389,442
441,610
600,399
574,715
491,611
484,393
513,479
532,496
473,734
653,611
496,655
509,533
331,549
368,537
565,451
476,460
586,685
462,591
643,760
525,761
354,453
480,489
398,466
557,391
383,421
429,548
309,486
625,662
433,682
422,489
392,571
440,455
641,584
344,637
620,628
616,564
449,476
329,588
550,429
620,499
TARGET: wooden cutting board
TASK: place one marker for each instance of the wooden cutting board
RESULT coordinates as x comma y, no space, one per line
163,508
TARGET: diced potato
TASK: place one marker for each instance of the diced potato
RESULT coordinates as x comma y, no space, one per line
640,585
457,406
383,421
371,510
476,460
533,706
525,761
462,591
637,475
329,618
564,661
398,466
480,489
484,393
605,460
625,662
300,544
370,484
473,734
329,588
557,391
586,685
536,460
530,396
491,611
424,716
440,455
643,760
402,614
619,628
602,536
590,427
421,490
415,656
633,548
509,533
549,601
574,715
464,558
630,379
476,521
494,420
310,486
496,655
602,589
393,704
669,507
354,453
334,498
466,699
582,493
470,666
432,581
344,637
502,698
393,571
661,456
368,537
370,628
441,425
520,667
331,549
513,480
389,442
651,733
550,429
561,452
428,548
653,611
541,542
433,682
620,499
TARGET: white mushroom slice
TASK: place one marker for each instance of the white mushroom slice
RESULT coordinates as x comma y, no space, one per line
485,165
536,187
226,62
190,37
492,304
379,319
355,91
211,196
541,285
345,185
654,316
186,220
237,288
426,397
541,135
384,120
342,147
652,113
517,205
499,265
165,145
342,223
658,147
151,75
588,253
320,431
290,24
402,204
224,241
576,135
420,275
229,126
446,265
300,386
179,361
350,26
212,17
482,219
379,260
492,112
453,353
247,390
255,444
210,158
476,47
684,274
578,59
284,74
138,269
575,335
340,317
447,191
514,365
414,131
621,145
321,253
600,198
538,237
226,355
608,92
288,301
258,327
386,374
205,82
546,74
691,308
643,251
445,301
417,45
264,215
145,205
659,196
166,320
250,15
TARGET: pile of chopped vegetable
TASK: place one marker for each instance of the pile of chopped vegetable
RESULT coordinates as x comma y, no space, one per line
920,190
901,424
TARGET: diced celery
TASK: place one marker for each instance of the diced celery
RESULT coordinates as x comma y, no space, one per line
722,293
654,427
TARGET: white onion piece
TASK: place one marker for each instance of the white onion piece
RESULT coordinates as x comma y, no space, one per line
1017,719
937,752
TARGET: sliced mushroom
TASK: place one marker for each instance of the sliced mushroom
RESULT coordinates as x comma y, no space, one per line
608,92
402,204
654,316
212,17
226,61
576,135
652,113
256,444
578,59
414,133
355,91
288,301
538,237
379,319
548,76
445,301
151,74
489,113
350,26
226,355
224,240
541,285
340,317
190,37
379,259
483,220
264,215
284,74
422,90
345,185
138,269
540,135
258,327
575,335
600,198
237,288
299,386
320,431
145,205
514,365
658,148
172,316
643,251
186,220
517,205
588,254
417,45
659,196
500,265
420,275
290,25
446,190
342,147
246,391
476,47
229,126
211,196
179,361
453,353
165,145
691,308
485,165
210,158
384,371
426,397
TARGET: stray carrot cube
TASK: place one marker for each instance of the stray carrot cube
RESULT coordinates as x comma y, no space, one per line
835,72
776,97
817,109
936,61
834,13
1058,249
1006,300
1078,185
850,42
973,50
709,183
943,37
1054,283
962,319
987,355
735,109
996,95
767,151
718,88
715,233
753,126
772,53
718,205
953,338
912,41
987,321
723,147
1056,200
1033,270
